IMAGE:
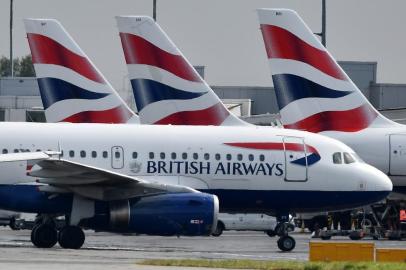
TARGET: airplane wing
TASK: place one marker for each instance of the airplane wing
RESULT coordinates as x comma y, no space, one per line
59,175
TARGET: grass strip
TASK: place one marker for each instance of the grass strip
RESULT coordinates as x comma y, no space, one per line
275,265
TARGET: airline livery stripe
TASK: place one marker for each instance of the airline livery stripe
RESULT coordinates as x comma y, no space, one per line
53,90
70,76
47,51
346,121
148,72
149,91
301,69
140,51
280,43
290,87
214,115
297,147
306,107
309,160
116,115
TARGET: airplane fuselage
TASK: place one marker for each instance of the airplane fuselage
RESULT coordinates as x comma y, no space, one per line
251,169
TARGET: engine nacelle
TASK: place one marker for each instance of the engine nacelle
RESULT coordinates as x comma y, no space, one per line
190,214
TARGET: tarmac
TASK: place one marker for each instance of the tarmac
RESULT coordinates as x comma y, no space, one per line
112,251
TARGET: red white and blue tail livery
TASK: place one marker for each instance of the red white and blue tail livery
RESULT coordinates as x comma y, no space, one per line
72,88
167,89
313,92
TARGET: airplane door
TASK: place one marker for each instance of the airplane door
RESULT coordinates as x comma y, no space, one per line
117,157
295,159
397,161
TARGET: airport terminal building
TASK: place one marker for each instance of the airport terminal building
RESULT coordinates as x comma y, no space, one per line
20,98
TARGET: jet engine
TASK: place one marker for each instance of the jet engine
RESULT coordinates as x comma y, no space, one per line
190,214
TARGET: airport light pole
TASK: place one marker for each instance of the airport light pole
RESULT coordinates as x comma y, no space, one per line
322,34
11,40
154,10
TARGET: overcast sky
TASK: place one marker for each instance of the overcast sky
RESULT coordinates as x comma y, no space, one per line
222,35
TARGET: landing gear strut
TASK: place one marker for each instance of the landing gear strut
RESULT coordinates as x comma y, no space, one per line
285,242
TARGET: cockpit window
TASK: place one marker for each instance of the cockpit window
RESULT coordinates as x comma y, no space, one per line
348,158
337,159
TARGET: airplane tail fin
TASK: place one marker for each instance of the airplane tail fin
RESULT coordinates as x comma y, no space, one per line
313,92
167,89
72,89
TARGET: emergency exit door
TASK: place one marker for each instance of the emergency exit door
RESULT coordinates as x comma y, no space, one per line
397,160
295,159
117,157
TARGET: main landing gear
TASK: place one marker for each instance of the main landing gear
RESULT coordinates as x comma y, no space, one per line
45,234
285,242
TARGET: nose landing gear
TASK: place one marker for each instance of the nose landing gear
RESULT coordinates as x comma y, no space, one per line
285,242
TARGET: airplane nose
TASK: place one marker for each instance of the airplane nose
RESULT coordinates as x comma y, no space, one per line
387,184
381,182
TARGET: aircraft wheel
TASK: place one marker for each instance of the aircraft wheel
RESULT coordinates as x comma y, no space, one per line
13,224
33,233
286,243
44,236
219,229
71,237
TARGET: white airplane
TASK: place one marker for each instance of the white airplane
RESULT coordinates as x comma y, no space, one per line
315,94
167,89
121,177
72,88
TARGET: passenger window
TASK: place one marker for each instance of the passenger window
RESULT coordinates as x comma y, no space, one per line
195,156
348,158
15,150
261,157
162,155
105,154
218,157
206,156
82,154
71,153
173,155
135,155
251,157
184,155
151,155
94,154
239,157
337,159
5,151
117,154
61,153
228,156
